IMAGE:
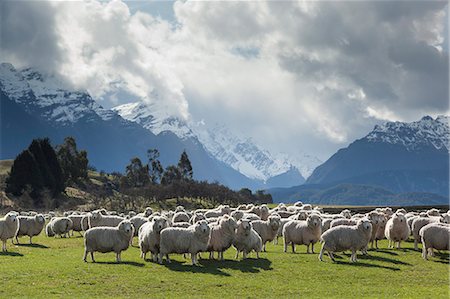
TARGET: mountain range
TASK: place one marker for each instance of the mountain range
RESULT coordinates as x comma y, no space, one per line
35,104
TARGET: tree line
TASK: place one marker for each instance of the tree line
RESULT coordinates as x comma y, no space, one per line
41,173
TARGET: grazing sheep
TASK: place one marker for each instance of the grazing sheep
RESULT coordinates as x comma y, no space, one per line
434,236
137,222
108,239
59,226
193,240
396,230
247,239
181,217
30,226
9,225
77,221
149,236
303,232
267,229
343,221
97,218
342,238
420,222
222,236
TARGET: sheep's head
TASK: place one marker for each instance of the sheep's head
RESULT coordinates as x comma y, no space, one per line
202,227
314,220
160,223
126,226
302,215
399,218
237,215
228,222
346,213
11,217
445,218
364,224
373,217
298,204
48,231
433,212
275,222
103,211
148,211
39,218
244,226
96,215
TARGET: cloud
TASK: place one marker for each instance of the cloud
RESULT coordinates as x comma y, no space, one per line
296,75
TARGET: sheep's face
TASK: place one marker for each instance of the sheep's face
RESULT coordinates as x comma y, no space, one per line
126,226
96,215
11,217
399,218
445,218
374,218
298,204
160,223
103,212
245,226
39,218
302,216
202,227
275,222
314,220
365,223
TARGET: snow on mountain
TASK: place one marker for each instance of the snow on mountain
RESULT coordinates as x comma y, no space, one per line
242,154
49,95
414,135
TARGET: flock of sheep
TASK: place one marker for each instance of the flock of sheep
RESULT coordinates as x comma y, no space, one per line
247,228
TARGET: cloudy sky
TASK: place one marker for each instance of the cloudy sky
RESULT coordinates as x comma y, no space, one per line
295,76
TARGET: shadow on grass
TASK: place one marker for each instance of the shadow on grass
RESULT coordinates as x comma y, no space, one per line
136,264
10,253
383,259
216,267
360,264
383,251
33,246
443,258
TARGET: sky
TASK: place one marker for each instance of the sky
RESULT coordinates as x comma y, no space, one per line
294,76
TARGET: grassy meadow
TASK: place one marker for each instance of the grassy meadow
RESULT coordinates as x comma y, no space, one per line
53,267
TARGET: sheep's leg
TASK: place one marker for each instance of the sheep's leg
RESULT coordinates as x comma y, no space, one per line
3,246
285,245
398,244
416,247
389,244
307,248
85,255
244,255
193,255
17,240
353,256
160,258
257,254
293,247
117,257
264,247
312,247
331,256
168,259
31,242
376,243
211,255
221,255
424,251
92,257
321,254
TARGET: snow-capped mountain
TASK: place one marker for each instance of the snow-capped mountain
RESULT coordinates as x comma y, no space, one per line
425,132
401,157
242,154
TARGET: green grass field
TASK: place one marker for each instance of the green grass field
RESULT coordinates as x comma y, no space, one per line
54,268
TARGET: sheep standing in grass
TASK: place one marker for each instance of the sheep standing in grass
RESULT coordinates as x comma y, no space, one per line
30,226
396,230
342,238
303,232
374,218
59,226
137,222
420,222
77,221
247,239
149,236
434,236
267,229
108,239
9,225
193,240
97,218
222,236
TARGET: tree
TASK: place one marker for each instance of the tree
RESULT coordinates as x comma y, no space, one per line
185,167
74,164
155,168
136,173
171,174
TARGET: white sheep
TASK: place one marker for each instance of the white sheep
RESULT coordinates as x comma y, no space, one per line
108,239
137,222
181,217
420,222
193,240
30,226
302,232
374,218
97,218
197,217
77,221
58,226
346,213
247,239
222,236
251,217
433,212
396,230
9,225
219,211
149,236
434,236
343,221
267,229
342,238
237,215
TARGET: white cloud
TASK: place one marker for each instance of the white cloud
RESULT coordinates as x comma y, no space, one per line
305,75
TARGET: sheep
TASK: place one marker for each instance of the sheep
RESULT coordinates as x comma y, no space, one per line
344,221
181,224
193,240
149,236
346,213
9,225
400,211
307,207
77,221
147,212
379,235
251,217
97,218
298,204
303,232
302,215
30,226
220,211
137,222
283,222
247,239
341,238
222,236
420,222
268,229
396,229
197,217
326,223
433,212
434,236
58,226
108,239
85,222
264,212
237,215
181,217
374,218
